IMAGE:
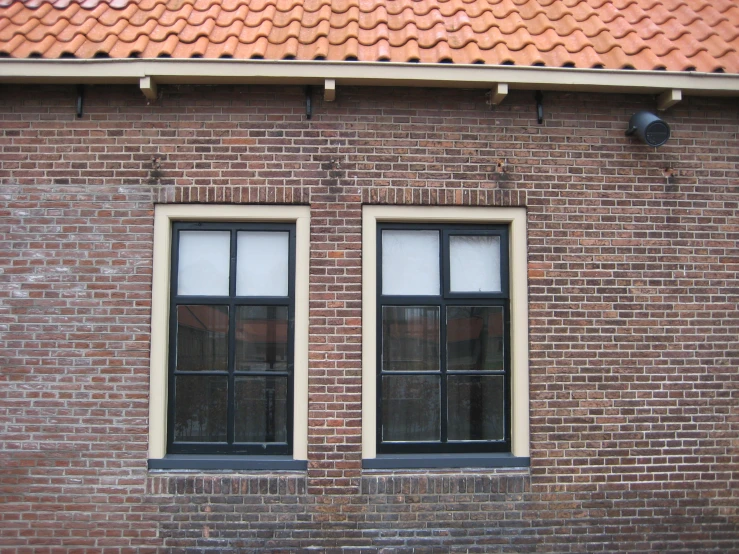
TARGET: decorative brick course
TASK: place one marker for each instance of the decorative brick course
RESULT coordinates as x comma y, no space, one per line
634,325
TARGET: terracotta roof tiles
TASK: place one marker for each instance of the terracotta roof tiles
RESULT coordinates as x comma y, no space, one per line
676,35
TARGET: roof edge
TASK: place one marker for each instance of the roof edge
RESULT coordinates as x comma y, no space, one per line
196,71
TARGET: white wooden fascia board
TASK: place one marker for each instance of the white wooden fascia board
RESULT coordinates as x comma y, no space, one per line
229,71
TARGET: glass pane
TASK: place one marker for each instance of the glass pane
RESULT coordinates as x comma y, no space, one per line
476,407
410,262
261,409
262,263
474,338
202,338
203,263
201,408
261,338
411,408
410,338
474,263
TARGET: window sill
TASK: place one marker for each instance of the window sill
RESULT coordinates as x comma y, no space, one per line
444,461
224,463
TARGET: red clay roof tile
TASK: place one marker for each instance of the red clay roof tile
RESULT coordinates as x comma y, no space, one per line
675,35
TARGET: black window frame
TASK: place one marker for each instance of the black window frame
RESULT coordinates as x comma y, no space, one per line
444,299
230,447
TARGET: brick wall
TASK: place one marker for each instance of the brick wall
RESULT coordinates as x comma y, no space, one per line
634,324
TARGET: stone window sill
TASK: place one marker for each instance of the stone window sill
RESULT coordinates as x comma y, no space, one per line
445,461
226,463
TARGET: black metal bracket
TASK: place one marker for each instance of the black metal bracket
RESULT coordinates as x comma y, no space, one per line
308,102
80,99
539,97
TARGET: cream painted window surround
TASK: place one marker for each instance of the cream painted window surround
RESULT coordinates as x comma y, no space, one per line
516,219
164,216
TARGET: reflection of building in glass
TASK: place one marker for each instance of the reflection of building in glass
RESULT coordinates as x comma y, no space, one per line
475,338
261,338
201,408
411,407
475,344
410,338
202,338
261,409
260,404
476,407
475,400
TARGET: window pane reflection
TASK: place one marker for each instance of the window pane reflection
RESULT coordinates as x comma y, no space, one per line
410,338
203,263
475,338
410,408
262,263
261,338
202,338
410,262
261,409
474,263
201,408
476,407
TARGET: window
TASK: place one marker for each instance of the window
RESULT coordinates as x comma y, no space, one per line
229,350
443,350
231,366
445,342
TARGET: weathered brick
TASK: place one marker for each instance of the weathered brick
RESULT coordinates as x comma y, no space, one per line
633,318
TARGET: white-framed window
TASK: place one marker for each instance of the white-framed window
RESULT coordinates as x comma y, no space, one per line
445,336
229,352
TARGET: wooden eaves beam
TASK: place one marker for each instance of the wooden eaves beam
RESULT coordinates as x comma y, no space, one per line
329,90
668,99
148,87
498,93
